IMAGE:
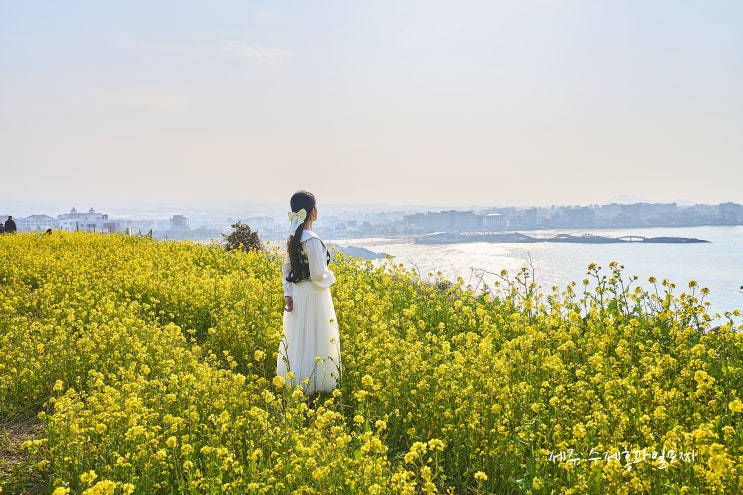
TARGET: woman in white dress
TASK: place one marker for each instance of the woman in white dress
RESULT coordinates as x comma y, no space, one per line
310,348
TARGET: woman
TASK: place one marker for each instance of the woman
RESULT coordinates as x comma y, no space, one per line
310,348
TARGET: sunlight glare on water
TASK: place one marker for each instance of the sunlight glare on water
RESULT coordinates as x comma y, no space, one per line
717,265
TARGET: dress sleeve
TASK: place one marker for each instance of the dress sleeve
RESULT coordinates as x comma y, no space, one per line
320,274
285,270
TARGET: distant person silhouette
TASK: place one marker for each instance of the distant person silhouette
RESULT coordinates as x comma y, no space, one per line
10,227
2,228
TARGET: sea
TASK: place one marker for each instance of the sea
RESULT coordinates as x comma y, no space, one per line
716,265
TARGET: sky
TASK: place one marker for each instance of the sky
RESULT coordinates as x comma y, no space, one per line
385,102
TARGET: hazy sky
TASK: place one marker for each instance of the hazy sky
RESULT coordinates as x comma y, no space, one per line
457,103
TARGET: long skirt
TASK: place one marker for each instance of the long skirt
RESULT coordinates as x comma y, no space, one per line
311,347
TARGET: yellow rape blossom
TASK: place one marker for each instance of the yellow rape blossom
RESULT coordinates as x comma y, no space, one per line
279,381
104,487
156,364
736,406
88,477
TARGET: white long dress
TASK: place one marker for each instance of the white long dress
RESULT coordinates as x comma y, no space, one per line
310,348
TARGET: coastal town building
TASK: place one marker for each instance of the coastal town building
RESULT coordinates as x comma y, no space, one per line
37,223
179,222
494,221
445,221
92,221
639,215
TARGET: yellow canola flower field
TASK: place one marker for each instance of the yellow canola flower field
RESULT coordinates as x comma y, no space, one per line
151,365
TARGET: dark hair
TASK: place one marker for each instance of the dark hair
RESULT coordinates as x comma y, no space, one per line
299,200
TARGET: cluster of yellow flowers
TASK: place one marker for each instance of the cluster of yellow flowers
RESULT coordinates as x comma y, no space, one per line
151,365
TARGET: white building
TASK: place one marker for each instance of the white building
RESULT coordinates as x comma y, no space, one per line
143,226
445,221
91,221
494,221
179,222
37,222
